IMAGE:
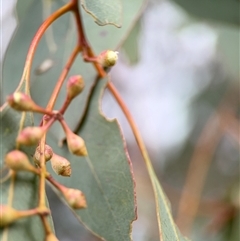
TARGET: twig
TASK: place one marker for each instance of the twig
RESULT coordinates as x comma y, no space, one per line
207,143
197,173
62,77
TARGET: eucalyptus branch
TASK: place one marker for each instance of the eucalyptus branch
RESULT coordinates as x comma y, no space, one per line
18,161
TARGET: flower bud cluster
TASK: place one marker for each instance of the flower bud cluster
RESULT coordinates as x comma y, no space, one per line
16,160
60,165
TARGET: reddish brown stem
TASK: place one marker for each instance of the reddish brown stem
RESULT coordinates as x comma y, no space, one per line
199,165
62,77
196,176
82,40
65,106
54,182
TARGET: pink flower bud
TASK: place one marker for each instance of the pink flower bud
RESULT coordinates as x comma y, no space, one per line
30,135
22,102
18,161
75,86
76,145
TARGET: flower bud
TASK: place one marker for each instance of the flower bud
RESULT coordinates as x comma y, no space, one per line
51,237
18,161
22,102
108,58
76,145
30,135
8,215
48,153
60,165
74,197
75,86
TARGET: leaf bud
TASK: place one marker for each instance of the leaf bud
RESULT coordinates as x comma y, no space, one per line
48,153
51,237
30,135
107,58
60,165
8,215
18,161
74,197
75,86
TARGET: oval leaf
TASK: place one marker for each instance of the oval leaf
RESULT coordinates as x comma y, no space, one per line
105,176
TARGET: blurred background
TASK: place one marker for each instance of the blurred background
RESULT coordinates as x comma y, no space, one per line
178,73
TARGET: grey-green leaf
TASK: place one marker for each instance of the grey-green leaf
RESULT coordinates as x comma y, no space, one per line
104,11
130,46
219,10
167,228
105,176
